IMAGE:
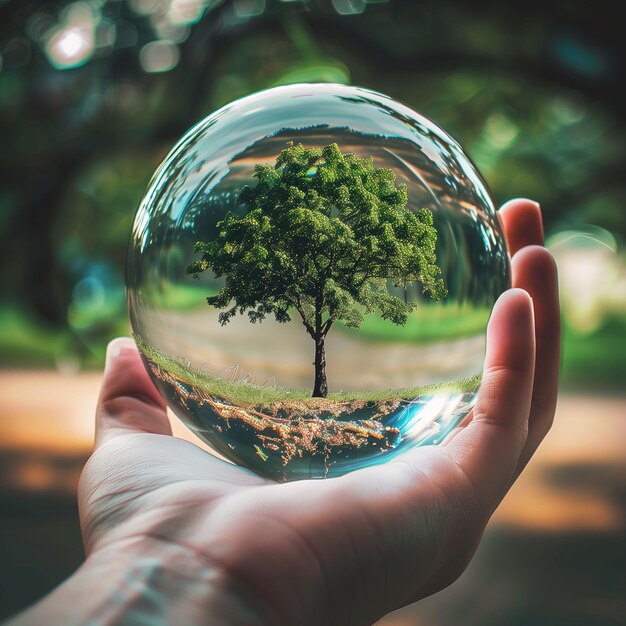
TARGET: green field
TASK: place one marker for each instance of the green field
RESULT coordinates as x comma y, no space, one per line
180,297
427,324
256,395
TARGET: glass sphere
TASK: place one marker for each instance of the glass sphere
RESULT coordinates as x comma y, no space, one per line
310,276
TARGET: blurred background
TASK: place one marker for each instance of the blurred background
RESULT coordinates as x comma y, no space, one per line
93,93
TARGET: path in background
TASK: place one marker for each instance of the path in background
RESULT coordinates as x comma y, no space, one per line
285,351
553,554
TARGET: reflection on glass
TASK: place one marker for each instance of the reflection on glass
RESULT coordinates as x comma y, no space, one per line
246,388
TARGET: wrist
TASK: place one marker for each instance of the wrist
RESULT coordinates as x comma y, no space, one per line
147,579
192,589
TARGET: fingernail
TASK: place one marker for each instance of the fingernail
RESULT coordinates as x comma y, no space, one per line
516,292
116,347
531,201
518,199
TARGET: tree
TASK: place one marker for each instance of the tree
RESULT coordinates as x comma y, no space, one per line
326,235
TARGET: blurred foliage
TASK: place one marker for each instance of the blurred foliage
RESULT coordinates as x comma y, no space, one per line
93,93
596,358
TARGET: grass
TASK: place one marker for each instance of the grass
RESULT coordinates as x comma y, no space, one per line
428,324
591,360
24,342
256,395
179,297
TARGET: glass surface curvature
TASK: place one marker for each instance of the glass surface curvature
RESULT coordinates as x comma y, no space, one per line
328,312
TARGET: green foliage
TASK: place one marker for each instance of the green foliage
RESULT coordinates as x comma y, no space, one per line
326,234
79,145
595,359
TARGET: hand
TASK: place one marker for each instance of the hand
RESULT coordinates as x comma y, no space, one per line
339,551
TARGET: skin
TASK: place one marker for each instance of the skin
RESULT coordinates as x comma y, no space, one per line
175,535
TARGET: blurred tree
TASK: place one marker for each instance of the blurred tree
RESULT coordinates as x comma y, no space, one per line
94,92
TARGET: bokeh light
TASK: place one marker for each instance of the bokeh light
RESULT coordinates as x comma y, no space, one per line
159,56
349,7
592,276
249,8
72,42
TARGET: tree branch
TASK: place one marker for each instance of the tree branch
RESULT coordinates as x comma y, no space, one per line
326,326
309,328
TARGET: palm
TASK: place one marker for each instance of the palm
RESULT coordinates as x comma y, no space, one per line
152,474
355,547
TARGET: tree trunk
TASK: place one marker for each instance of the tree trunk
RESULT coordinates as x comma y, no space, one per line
320,389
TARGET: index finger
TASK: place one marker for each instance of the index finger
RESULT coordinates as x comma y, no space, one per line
523,226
